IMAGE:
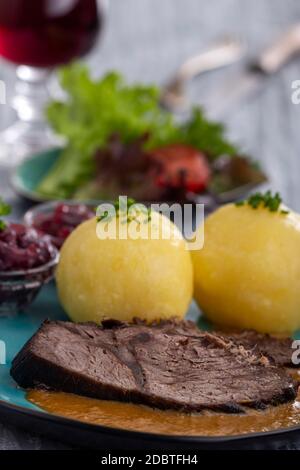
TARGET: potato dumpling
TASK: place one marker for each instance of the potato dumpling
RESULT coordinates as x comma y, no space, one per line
248,273
122,279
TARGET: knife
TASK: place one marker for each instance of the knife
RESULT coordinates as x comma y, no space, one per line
252,80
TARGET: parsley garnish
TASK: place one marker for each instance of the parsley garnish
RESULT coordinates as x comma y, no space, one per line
125,214
5,209
266,200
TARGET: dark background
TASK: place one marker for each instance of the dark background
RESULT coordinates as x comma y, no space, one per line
146,40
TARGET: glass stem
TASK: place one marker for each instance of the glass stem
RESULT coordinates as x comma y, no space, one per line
30,133
32,94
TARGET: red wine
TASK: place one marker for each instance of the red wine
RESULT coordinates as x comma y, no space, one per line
46,33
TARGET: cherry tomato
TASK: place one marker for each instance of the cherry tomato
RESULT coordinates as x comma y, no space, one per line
181,166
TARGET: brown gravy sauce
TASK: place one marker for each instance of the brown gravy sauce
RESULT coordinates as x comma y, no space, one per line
142,418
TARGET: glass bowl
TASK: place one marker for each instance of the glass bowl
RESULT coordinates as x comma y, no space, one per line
41,211
19,288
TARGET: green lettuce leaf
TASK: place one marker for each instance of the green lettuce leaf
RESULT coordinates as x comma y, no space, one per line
95,109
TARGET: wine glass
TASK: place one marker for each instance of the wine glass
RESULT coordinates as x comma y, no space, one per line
37,36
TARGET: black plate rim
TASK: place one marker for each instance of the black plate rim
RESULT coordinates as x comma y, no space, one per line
118,432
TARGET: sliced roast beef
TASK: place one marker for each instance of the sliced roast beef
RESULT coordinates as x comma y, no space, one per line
278,349
150,365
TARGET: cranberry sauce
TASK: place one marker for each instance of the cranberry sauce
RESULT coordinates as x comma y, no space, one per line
60,223
23,248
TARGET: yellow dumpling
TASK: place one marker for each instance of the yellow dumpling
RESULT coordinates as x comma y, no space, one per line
122,279
248,273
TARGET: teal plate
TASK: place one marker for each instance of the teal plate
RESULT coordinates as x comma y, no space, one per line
31,172
15,331
17,411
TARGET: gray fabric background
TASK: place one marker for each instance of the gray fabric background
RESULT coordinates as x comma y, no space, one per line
147,40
